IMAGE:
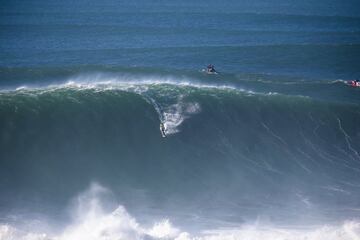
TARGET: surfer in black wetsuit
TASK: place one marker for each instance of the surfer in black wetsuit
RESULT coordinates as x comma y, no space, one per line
162,129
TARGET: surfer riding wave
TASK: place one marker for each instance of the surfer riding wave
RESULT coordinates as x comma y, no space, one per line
162,129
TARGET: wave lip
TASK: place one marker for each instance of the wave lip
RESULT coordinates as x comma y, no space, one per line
123,82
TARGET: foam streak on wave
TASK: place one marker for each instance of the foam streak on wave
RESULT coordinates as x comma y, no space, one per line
347,139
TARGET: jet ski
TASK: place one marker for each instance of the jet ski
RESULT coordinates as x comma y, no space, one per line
210,69
212,72
354,83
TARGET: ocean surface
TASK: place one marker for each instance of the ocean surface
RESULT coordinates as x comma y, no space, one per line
268,149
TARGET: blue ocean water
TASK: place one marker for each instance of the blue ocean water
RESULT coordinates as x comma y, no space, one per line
268,148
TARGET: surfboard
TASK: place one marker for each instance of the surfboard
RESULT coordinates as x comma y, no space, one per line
163,134
162,131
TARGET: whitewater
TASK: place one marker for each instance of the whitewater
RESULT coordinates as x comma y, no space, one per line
90,221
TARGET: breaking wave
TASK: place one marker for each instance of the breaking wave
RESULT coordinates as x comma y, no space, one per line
242,160
91,221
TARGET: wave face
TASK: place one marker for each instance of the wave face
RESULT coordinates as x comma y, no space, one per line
232,156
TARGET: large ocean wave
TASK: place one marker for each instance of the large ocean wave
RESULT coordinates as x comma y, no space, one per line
239,161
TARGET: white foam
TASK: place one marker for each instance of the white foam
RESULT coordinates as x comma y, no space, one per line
339,81
21,88
119,224
11,233
92,222
174,115
347,231
163,229
123,82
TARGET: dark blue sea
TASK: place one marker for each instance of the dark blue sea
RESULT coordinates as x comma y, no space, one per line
266,149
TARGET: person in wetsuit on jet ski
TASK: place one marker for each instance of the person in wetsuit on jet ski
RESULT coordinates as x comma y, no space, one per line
355,83
211,68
